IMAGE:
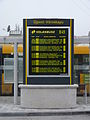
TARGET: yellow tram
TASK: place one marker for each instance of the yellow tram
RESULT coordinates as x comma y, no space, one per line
81,67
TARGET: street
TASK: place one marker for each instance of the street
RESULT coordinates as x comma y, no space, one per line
66,117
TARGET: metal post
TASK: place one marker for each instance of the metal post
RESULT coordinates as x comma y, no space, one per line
15,75
89,61
86,94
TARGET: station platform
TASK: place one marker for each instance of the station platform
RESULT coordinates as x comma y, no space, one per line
7,108
16,110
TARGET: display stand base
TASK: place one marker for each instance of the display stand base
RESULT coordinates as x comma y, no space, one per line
48,96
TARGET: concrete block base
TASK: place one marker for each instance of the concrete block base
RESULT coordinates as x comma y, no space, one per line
48,96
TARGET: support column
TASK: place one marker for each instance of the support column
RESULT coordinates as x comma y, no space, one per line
15,75
89,61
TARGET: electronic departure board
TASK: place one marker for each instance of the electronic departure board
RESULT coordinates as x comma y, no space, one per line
48,51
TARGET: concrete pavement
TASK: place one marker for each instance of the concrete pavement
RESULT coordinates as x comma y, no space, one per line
17,110
7,108
60,117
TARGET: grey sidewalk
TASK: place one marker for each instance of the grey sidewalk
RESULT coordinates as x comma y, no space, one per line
16,110
7,108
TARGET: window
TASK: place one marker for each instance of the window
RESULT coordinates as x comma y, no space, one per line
85,59
9,70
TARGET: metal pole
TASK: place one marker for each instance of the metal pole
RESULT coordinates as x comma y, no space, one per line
89,61
15,75
86,94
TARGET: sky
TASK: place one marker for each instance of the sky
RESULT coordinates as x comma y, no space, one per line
13,12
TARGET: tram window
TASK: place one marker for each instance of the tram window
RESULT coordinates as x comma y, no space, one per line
9,70
75,61
85,59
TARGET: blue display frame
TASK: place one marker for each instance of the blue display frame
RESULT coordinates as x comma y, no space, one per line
47,23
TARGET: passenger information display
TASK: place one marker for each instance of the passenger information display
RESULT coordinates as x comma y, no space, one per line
48,51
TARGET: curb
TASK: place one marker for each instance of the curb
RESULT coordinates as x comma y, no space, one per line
11,114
